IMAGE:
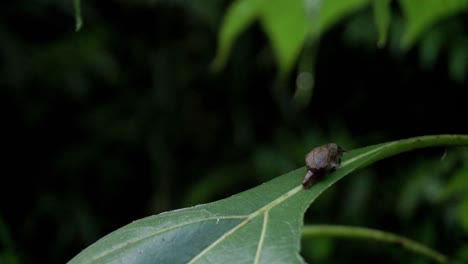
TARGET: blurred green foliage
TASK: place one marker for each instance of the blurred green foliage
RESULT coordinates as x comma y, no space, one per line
7,254
125,118
420,16
288,23
382,17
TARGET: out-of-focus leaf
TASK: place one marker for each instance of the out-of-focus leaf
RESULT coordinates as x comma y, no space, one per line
319,250
305,82
359,31
78,19
422,14
457,187
430,48
463,212
356,196
206,11
238,17
7,253
285,23
461,255
423,186
382,16
286,26
332,11
261,225
458,60
458,183
7,257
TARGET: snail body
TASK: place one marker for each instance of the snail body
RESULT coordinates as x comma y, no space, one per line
320,161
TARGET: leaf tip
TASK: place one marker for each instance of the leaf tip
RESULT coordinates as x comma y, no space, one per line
78,19
78,24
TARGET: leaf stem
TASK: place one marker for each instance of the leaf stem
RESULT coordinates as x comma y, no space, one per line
367,233
400,146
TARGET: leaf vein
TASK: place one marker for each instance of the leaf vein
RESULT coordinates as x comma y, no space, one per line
262,237
134,241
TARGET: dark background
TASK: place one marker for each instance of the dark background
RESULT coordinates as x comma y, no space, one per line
125,119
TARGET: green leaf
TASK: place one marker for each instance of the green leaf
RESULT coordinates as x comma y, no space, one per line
333,11
462,254
239,16
418,188
458,183
422,14
78,19
458,60
382,16
430,47
463,212
261,225
286,26
285,23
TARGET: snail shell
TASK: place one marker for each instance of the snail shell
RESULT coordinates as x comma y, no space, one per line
320,161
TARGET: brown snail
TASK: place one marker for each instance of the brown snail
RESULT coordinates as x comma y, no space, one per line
320,161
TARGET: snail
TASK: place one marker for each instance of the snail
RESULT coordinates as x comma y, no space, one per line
320,161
